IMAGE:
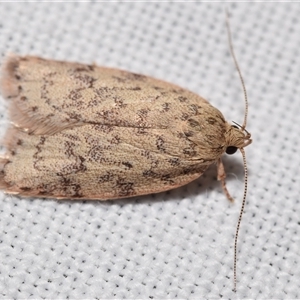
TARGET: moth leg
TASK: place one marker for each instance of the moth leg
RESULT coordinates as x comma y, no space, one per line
222,177
3,162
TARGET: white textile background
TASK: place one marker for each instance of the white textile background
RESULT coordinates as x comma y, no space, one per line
177,244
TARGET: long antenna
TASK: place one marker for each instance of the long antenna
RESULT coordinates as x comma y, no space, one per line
241,149
238,69
240,216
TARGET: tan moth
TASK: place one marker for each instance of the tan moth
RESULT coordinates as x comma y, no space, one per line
87,132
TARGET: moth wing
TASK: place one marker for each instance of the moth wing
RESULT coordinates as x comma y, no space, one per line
48,96
92,162
75,121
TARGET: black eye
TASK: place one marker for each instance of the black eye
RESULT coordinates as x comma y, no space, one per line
231,149
234,126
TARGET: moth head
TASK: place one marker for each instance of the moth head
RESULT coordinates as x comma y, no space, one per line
237,137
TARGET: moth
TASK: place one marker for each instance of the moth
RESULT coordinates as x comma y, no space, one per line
87,132
82,131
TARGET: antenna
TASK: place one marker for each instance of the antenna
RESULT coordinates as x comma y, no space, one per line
241,149
238,69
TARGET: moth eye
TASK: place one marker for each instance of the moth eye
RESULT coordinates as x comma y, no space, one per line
234,126
231,149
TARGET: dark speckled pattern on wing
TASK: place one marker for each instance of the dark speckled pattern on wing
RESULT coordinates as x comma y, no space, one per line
83,131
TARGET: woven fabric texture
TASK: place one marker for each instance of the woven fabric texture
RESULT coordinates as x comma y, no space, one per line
177,244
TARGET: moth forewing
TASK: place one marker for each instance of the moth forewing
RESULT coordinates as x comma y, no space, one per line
104,133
